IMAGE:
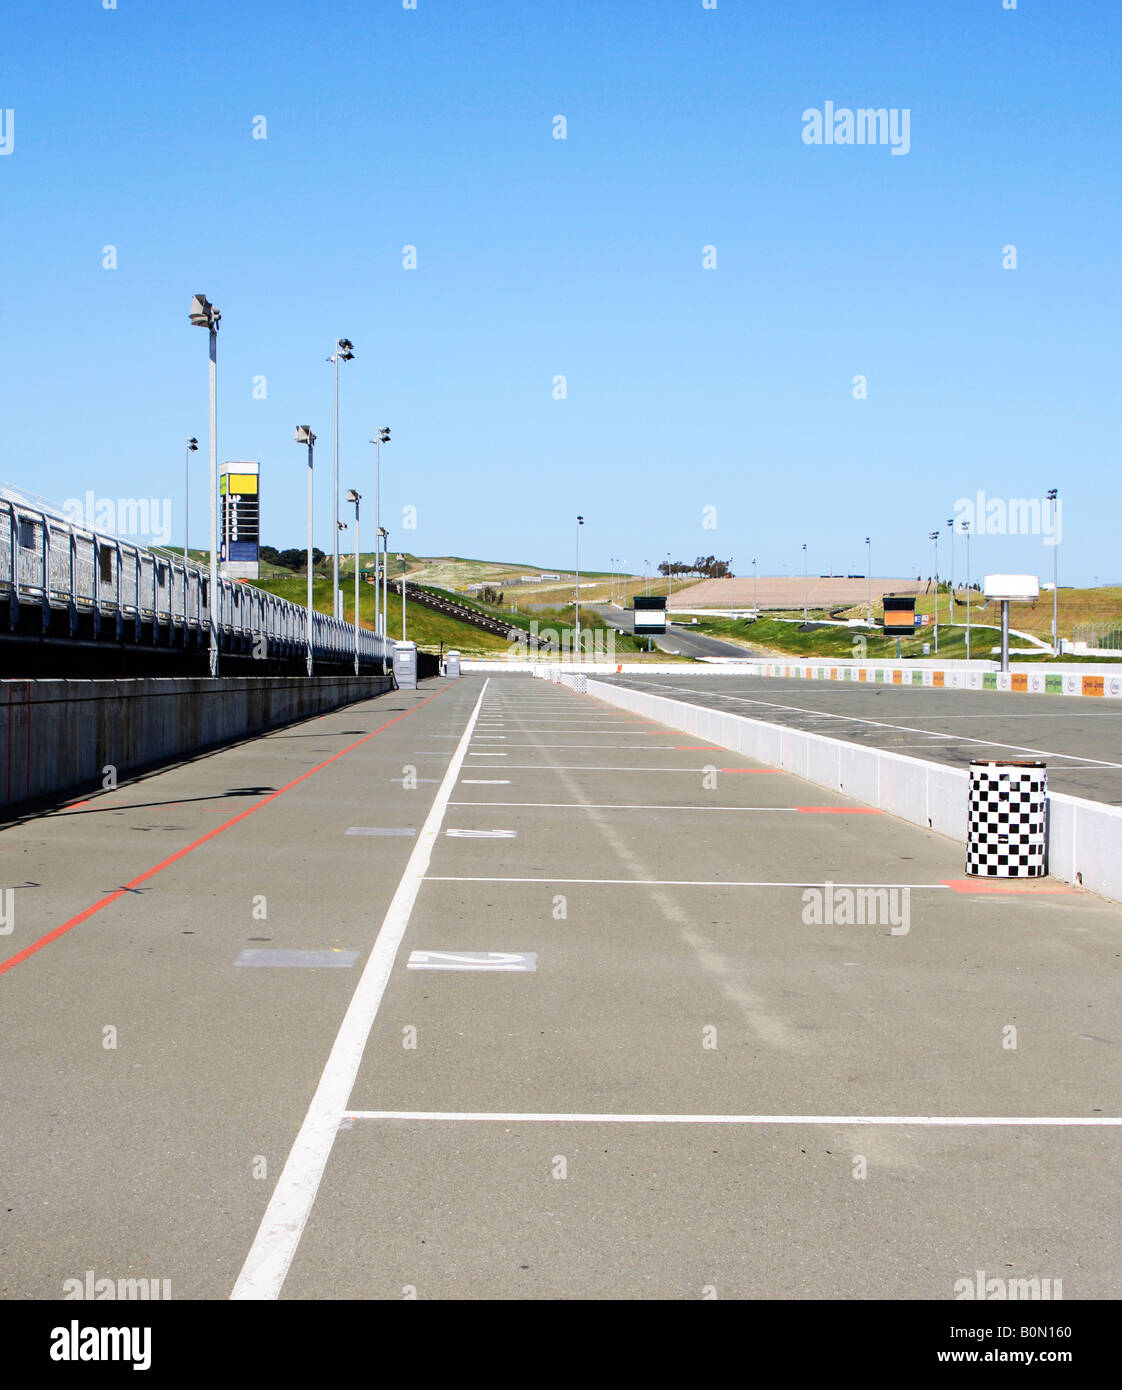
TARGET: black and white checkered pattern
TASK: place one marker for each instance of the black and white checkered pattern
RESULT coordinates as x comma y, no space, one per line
1007,821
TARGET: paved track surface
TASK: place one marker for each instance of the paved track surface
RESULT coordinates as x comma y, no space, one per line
696,1088
1080,738
679,639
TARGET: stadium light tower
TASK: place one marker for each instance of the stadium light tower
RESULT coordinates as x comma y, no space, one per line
1053,496
869,567
950,528
203,314
965,525
191,448
384,537
806,586
576,591
381,437
356,498
305,436
934,536
344,352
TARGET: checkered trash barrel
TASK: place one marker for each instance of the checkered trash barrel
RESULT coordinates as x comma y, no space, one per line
1007,819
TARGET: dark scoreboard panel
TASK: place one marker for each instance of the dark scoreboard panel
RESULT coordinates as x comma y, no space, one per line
650,614
899,613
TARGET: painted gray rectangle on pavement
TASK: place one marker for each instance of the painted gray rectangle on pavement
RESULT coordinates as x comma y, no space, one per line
300,960
380,830
473,960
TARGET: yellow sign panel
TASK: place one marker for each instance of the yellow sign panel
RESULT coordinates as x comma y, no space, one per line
242,484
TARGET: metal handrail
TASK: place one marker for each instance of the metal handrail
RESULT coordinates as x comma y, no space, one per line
60,565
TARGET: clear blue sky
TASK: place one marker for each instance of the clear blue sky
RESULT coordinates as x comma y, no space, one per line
687,388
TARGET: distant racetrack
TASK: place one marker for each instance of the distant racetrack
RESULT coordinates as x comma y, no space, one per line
789,592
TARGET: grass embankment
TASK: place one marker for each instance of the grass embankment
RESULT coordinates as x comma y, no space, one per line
1076,606
426,628
557,622
769,634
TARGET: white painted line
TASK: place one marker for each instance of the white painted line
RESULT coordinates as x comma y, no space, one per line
488,754
483,834
509,961
607,747
674,882
378,830
929,1121
615,806
590,767
501,738
677,690
267,1264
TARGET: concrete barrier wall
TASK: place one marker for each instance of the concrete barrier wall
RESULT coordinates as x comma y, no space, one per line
1102,682
58,736
1084,837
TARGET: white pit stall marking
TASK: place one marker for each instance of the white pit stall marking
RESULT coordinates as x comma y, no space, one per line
509,961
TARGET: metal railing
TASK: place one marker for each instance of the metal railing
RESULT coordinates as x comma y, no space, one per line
57,565
1104,636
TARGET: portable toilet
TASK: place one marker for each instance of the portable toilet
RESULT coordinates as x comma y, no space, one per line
452,665
405,665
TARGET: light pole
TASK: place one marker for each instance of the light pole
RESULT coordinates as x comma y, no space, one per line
732,586
756,571
576,591
934,536
966,532
203,314
669,583
384,537
1053,494
356,498
381,437
647,569
806,587
402,559
305,436
192,448
869,567
344,351
950,528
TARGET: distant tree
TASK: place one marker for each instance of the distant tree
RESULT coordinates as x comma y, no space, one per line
291,558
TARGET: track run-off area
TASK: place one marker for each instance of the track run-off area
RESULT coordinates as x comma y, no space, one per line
490,990
1079,737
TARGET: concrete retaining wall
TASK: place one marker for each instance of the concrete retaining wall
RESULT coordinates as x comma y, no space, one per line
1104,681
1084,837
58,736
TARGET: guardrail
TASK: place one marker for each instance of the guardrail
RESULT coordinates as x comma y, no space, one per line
1102,681
128,593
1083,836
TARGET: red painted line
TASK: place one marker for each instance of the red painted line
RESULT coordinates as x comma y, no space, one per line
840,810
1006,885
35,946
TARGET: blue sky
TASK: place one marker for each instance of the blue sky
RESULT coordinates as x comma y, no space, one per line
687,388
